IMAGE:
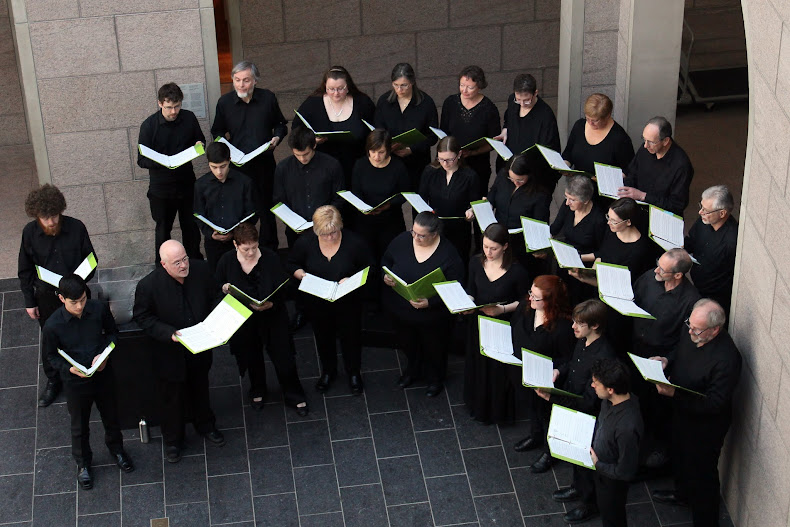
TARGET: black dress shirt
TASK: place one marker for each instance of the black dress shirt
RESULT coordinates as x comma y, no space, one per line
618,433
448,199
418,116
467,125
557,343
616,149
666,181
224,204
82,338
539,126
671,308
715,251
61,254
249,124
637,256
373,185
585,236
304,188
576,375
263,278
508,288
168,138
510,203
162,306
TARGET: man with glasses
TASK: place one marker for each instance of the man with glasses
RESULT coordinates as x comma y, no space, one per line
708,363
712,240
660,173
178,294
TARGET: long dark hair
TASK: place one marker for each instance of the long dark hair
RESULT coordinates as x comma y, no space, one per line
404,69
338,72
497,233
520,166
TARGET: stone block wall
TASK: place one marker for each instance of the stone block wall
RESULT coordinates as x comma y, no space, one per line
12,107
719,39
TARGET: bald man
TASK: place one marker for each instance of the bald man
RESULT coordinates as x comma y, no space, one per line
707,362
179,293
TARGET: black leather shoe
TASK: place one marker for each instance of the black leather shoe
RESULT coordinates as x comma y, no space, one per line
542,464
434,390
215,437
581,514
669,497
565,494
405,380
50,393
297,322
85,478
173,454
324,382
124,462
302,411
657,459
526,444
355,383
257,405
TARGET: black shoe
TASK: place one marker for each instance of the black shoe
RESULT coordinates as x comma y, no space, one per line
215,437
50,393
297,322
581,514
324,382
542,464
124,462
355,382
657,459
302,411
434,390
565,494
669,497
85,478
526,444
173,454
257,405
405,380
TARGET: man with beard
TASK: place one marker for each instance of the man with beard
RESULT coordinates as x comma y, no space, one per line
249,117
59,244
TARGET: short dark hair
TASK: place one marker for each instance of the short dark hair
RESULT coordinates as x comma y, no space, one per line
626,208
245,233
217,152
430,221
592,312
301,138
45,202
525,83
498,233
377,139
72,287
612,374
170,92
664,127
681,261
474,74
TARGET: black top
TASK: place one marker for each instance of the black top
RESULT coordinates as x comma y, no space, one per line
399,258
82,338
250,124
373,185
510,203
61,254
618,433
670,308
224,204
304,188
509,287
556,344
265,277
482,120
448,199
539,126
168,138
637,256
420,116
585,236
616,148
162,306
345,151
665,180
715,251
576,375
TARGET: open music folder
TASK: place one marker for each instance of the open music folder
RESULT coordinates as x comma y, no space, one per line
653,371
422,288
567,256
455,298
332,291
239,158
537,371
537,235
175,160
241,296
88,371
548,157
614,289
484,213
495,340
666,229
217,228
218,327
337,134
358,204
82,270
295,222
570,436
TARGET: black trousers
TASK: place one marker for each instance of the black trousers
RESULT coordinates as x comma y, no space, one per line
190,397
246,345
425,345
584,482
100,391
48,302
164,210
338,320
214,250
611,496
261,172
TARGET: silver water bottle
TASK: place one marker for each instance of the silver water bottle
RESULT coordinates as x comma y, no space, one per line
144,436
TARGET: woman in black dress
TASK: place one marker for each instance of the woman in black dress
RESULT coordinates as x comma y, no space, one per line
423,325
337,104
257,272
403,108
332,253
468,116
542,323
489,392
448,186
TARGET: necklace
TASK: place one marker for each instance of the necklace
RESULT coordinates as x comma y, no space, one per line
337,112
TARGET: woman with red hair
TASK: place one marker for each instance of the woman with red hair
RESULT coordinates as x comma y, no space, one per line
542,323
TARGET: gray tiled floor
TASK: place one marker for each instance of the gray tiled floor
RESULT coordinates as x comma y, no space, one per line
385,458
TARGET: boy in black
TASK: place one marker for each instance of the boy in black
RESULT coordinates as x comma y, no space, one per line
83,328
615,446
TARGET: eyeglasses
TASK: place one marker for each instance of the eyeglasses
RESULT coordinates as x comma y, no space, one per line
401,86
524,102
610,221
660,269
518,180
651,143
421,236
696,333
328,234
704,212
337,90
180,261
571,199
447,161
533,297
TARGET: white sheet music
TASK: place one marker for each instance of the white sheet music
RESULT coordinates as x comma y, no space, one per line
439,132
238,157
290,218
614,281
355,201
215,330
454,297
553,158
575,430
175,160
567,255
352,283
317,286
370,126
626,307
609,179
580,453
650,369
536,371
536,234
500,148
484,214
88,371
416,201
495,336
667,227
